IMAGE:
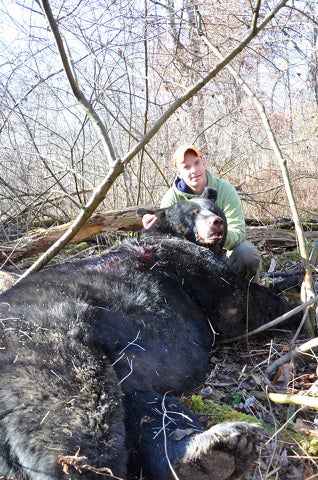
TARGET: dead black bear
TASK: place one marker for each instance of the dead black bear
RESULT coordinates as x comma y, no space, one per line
94,354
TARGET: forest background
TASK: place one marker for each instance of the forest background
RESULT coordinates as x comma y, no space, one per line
96,95
137,79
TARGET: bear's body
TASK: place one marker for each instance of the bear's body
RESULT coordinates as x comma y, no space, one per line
94,354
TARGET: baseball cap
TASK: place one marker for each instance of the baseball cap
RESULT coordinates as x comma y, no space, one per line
178,155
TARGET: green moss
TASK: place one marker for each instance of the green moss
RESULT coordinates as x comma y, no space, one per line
308,444
218,412
283,258
225,413
73,249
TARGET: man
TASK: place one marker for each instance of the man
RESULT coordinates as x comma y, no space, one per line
192,177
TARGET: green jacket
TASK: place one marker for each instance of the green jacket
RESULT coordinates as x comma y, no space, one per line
227,199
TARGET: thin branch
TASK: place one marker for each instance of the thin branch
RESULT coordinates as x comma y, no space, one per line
297,352
255,14
273,323
118,166
307,286
304,400
71,76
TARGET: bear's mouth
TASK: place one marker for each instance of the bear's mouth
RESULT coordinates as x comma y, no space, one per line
209,229
213,238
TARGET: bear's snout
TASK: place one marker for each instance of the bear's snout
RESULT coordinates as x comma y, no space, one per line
210,229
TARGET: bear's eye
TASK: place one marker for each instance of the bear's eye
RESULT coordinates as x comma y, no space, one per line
195,211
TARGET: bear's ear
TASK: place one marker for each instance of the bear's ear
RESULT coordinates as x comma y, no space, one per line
210,194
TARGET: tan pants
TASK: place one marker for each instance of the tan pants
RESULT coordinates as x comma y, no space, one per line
246,260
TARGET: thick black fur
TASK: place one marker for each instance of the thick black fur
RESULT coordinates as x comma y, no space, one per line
94,354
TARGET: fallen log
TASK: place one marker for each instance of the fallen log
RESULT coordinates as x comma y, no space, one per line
38,241
271,238
126,220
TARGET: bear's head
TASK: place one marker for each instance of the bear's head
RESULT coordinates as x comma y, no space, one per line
198,220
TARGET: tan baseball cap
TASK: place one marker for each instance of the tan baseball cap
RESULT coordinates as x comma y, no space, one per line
178,155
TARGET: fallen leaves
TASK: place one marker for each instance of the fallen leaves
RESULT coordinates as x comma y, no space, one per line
75,461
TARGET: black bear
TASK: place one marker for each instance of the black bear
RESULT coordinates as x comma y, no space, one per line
94,355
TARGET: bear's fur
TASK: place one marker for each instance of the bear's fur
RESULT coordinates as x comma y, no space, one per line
94,355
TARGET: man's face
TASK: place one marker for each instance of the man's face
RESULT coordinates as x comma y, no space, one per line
192,171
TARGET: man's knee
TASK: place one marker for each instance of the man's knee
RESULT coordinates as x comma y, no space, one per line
246,260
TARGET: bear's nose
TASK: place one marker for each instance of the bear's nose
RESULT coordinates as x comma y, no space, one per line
218,222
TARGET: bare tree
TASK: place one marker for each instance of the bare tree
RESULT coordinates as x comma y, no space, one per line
151,83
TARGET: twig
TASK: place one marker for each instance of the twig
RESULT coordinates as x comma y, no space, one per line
303,349
164,410
130,363
273,323
304,400
300,326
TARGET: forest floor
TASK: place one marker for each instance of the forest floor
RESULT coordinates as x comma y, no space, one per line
238,386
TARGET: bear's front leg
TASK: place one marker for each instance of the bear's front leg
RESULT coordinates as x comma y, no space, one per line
167,442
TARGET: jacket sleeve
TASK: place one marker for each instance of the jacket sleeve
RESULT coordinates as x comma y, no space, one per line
229,201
